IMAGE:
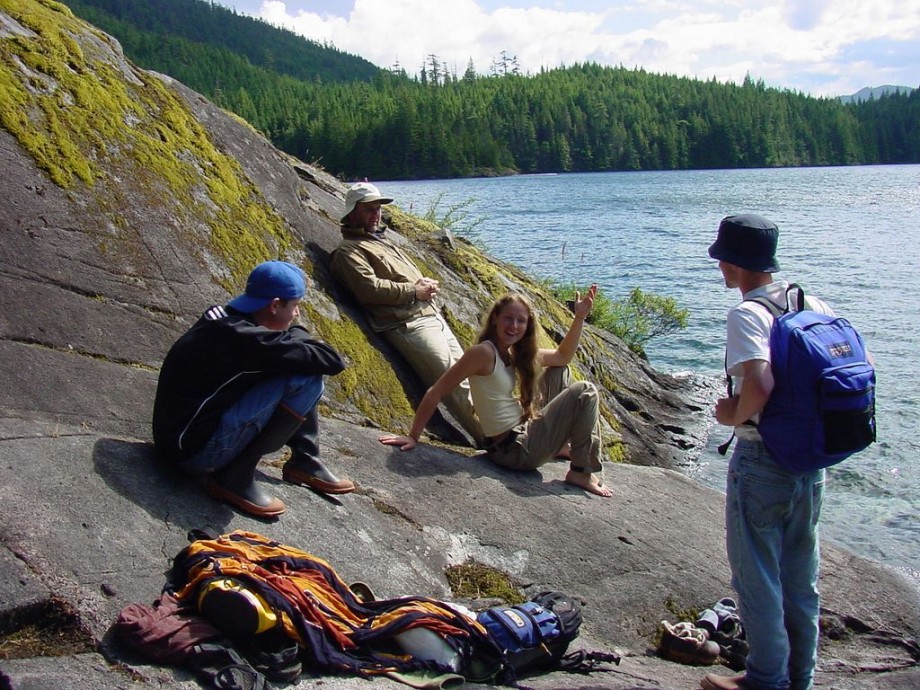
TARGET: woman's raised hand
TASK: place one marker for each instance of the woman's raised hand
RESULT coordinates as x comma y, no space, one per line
404,442
584,304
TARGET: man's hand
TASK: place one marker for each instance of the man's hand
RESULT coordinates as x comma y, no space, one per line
404,442
426,289
726,409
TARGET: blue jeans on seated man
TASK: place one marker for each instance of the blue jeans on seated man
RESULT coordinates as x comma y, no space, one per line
242,422
771,518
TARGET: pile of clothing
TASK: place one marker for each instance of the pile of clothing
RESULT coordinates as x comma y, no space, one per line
242,608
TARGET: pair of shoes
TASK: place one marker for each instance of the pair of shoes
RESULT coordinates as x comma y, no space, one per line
722,622
721,617
713,682
315,475
273,508
687,644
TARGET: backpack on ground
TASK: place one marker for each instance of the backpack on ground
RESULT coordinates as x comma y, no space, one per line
535,635
822,408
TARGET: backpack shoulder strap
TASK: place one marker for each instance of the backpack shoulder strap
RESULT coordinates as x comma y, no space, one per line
799,298
775,311
768,304
794,299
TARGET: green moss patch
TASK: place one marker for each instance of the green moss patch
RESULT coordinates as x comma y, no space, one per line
474,580
84,121
369,382
51,628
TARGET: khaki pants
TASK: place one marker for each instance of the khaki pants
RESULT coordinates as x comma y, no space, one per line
571,415
431,348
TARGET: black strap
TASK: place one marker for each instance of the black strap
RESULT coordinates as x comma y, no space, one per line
581,661
223,666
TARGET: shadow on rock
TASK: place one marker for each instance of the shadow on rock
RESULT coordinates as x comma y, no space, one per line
427,461
135,471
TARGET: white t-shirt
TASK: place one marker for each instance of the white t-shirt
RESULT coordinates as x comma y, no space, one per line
748,336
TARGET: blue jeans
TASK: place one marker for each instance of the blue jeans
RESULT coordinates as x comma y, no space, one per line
243,421
771,518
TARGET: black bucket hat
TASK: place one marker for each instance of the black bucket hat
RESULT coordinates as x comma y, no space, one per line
748,241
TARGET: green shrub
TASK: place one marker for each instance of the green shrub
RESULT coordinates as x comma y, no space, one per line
456,218
636,319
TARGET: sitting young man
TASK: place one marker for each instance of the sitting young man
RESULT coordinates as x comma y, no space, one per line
242,383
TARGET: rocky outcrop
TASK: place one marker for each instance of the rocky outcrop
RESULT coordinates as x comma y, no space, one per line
138,203
130,204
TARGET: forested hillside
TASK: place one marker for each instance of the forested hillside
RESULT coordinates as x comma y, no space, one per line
205,43
356,120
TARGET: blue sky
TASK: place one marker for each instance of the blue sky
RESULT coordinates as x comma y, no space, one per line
820,47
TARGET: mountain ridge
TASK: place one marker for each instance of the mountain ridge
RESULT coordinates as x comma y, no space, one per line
870,93
581,118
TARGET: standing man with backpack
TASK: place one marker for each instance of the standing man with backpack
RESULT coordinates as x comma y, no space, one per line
771,512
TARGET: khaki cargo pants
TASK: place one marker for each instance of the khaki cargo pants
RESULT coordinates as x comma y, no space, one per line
571,415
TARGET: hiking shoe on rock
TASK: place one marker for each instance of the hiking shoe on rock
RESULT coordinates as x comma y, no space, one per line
713,682
687,644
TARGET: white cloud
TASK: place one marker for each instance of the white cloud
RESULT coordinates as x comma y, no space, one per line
817,46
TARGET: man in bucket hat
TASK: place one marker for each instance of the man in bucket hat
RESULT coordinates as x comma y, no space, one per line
771,513
398,300
242,382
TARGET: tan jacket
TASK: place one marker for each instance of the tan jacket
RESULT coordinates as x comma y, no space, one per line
381,277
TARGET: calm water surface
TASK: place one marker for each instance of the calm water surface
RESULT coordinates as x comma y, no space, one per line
850,235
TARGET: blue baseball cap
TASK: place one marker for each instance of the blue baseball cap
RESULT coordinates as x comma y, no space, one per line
268,281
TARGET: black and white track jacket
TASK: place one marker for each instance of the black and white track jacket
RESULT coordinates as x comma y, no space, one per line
217,360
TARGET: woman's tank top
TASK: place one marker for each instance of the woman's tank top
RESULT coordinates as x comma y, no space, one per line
493,398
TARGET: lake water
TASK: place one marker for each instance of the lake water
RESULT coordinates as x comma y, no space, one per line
850,235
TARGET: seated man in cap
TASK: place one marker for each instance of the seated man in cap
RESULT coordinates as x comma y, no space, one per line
241,383
398,299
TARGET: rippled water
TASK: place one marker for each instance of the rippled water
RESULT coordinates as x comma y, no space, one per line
851,235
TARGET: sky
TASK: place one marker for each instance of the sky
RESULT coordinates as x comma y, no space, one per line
818,47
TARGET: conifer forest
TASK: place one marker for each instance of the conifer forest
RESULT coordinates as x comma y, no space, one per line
355,119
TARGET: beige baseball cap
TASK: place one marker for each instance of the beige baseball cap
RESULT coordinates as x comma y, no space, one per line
362,193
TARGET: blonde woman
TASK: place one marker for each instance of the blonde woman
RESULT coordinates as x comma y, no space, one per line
506,356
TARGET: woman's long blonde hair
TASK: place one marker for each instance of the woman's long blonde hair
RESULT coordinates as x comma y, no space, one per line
523,352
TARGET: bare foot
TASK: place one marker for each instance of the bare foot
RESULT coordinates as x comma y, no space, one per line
564,453
588,482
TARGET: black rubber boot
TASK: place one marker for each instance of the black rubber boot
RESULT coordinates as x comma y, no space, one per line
235,483
305,467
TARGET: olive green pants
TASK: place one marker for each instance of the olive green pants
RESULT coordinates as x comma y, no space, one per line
570,416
